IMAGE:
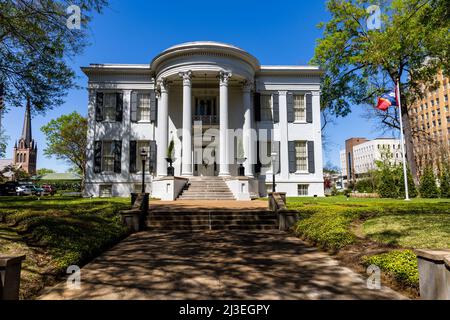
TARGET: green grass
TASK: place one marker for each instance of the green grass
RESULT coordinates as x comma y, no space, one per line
401,264
57,232
331,223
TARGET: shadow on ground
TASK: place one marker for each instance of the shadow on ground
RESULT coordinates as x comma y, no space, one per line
216,265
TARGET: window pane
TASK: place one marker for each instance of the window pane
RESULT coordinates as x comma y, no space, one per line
303,190
301,156
109,106
299,108
143,111
107,157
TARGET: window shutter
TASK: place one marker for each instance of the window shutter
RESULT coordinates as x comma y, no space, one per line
99,107
276,149
276,107
119,107
133,153
292,157
117,156
153,106
257,106
290,108
257,165
152,157
97,156
311,162
133,111
309,111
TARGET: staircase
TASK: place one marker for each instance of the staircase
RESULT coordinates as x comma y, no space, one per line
206,188
211,220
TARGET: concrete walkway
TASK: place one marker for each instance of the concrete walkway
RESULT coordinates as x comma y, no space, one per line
217,265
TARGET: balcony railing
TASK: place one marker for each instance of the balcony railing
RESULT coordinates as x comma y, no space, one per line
206,120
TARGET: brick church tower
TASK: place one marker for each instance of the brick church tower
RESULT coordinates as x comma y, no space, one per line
25,151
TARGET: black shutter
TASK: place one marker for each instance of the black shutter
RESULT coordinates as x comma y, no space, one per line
257,106
117,156
152,157
276,149
119,107
97,156
99,107
133,109
257,166
292,157
290,108
276,107
311,162
133,152
153,106
309,111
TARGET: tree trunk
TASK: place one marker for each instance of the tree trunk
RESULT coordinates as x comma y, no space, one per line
409,142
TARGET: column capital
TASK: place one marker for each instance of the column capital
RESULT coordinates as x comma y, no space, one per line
247,86
187,77
224,76
282,93
316,93
164,85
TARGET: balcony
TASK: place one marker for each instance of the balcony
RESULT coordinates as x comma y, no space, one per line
206,120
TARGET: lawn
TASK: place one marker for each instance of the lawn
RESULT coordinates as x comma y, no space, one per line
55,233
394,227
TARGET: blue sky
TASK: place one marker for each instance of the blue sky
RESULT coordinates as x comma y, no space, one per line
282,32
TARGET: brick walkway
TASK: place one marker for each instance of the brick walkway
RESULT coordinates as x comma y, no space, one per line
217,265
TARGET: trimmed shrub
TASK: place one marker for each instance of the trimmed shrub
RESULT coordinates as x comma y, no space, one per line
401,264
365,186
428,187
388,186
412,190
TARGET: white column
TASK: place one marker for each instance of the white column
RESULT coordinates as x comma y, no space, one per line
186,165
126,130
163,125
223,127
249,136
284,137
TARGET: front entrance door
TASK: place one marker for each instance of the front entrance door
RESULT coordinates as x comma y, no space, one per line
208,166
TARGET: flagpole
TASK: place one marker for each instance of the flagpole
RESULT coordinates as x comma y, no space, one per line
402,139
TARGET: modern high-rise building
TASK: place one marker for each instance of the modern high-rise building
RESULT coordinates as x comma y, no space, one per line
25,150
360,156
430,122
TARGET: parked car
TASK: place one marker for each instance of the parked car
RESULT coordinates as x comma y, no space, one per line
48,189
31,190
8,188
20,191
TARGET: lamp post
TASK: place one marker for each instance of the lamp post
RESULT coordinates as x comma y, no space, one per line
144,159
274,158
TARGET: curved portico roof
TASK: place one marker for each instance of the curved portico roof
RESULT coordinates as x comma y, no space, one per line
204,48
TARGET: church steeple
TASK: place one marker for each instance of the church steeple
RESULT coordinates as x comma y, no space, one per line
26,131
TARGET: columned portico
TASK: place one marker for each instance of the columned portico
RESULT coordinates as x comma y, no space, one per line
223,126
163,124
187,169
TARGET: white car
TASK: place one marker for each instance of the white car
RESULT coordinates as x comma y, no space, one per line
20,191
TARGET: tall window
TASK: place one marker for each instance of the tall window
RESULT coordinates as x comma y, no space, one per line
143,107
266,108
109,106
146,146
301,155
299,108
108,156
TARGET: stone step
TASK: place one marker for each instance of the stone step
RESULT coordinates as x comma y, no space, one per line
213,228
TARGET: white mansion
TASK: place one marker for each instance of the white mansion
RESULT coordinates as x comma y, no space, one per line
228,118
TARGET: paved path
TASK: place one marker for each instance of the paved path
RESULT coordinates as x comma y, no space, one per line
217,265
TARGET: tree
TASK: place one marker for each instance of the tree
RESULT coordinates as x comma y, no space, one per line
44,171
428,187
412,190
67,140
412,46
3,141
445,182
36,46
